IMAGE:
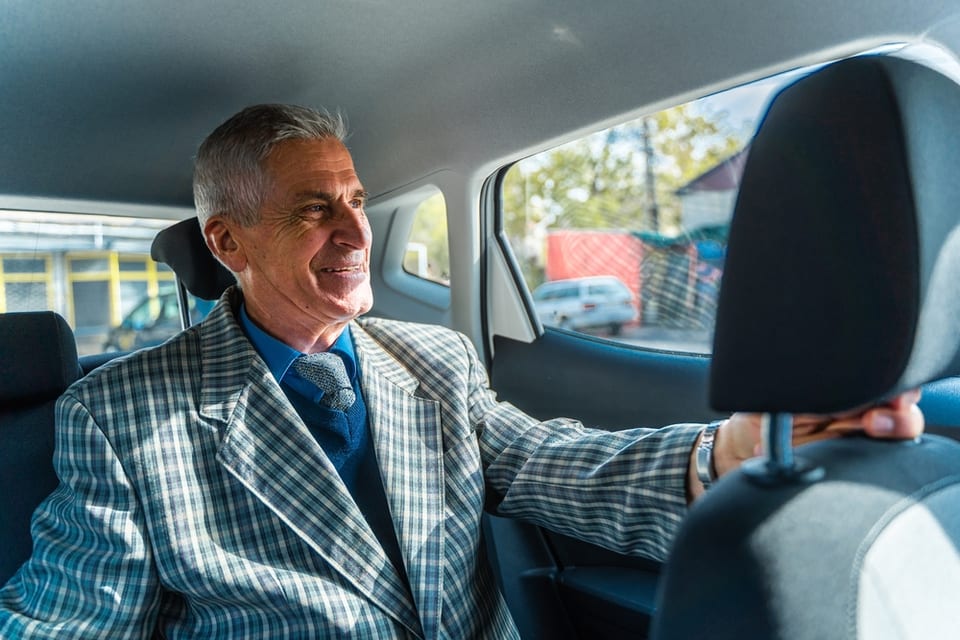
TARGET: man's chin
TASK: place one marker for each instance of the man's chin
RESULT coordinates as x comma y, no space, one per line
364,308
357,306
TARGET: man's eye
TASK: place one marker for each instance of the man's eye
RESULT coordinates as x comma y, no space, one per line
356,203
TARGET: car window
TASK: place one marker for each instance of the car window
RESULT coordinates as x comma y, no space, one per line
553,292
645,206
641,212
95,271
143,315
603,290
428,253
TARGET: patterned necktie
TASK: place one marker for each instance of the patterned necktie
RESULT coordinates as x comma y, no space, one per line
326,370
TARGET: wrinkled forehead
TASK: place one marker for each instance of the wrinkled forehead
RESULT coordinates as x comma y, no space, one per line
326,152
325,163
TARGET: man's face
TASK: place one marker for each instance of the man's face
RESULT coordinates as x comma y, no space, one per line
307,260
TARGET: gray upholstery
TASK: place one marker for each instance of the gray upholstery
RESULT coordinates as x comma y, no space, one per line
796,561
38,361
839,289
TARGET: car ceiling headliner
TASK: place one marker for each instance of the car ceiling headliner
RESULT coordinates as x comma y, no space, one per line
107,100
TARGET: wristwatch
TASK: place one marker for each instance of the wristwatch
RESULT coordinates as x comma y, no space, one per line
706,472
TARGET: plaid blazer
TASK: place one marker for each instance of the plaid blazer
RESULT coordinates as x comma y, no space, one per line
195,504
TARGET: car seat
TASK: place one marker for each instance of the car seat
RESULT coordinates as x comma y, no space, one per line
38,361
839,290
182,248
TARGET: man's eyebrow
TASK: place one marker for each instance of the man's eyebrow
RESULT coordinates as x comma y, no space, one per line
310,194
323,195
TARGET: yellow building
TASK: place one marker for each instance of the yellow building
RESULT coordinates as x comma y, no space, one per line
91,273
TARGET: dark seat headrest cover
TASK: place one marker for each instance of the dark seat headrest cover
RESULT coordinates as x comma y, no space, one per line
841,279
182,248
39,356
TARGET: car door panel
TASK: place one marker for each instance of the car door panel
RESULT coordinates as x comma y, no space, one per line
600,382
940,402
559,587
607,385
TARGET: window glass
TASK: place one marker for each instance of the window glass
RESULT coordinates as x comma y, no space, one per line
100,264
132,264
428,253
95,271
635,219
131,293
24,296
23,265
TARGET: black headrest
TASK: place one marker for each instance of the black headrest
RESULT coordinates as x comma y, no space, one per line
38,356
841,279
182,248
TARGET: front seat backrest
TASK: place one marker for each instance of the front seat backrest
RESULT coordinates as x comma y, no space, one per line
38,361
839,289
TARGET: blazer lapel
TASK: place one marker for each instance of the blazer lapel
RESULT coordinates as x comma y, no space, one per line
268,449
408,440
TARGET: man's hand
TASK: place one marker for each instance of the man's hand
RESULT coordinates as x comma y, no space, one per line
739,438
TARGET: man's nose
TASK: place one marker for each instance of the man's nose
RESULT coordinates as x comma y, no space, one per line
352,227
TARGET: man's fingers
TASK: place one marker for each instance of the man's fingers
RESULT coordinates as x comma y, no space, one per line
902,420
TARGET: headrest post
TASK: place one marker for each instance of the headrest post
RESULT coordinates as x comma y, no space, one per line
184,299
776,439
777,465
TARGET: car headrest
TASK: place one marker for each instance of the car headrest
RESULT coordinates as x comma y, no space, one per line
39,358
841,279
182,248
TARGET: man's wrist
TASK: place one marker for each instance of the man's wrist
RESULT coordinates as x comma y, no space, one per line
706,469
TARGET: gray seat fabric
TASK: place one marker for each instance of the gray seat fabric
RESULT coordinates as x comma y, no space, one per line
38,361
839,290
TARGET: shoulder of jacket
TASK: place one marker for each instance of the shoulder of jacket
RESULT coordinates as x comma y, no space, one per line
411,341
414,331
156,360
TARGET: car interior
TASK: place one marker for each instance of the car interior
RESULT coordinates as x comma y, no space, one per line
773,182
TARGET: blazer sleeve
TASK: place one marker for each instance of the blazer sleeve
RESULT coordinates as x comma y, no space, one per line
91,574
624,490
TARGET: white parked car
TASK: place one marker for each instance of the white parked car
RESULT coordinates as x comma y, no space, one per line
585,303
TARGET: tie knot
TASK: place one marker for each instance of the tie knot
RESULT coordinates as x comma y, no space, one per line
326,370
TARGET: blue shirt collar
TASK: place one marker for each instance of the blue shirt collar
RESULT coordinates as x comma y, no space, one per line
279,356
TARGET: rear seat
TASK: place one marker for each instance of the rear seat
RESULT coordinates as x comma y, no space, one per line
38,361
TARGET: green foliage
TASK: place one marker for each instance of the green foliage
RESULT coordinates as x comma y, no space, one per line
691,144
601,181
604,181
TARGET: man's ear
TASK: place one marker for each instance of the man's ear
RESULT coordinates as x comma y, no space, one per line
220,240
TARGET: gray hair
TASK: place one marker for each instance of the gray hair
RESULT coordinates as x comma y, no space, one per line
228,176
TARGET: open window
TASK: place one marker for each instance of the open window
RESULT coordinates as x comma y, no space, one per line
647,204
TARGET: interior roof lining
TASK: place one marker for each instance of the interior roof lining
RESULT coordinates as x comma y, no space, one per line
130,89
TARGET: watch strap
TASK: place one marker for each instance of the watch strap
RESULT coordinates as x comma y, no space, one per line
706,472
